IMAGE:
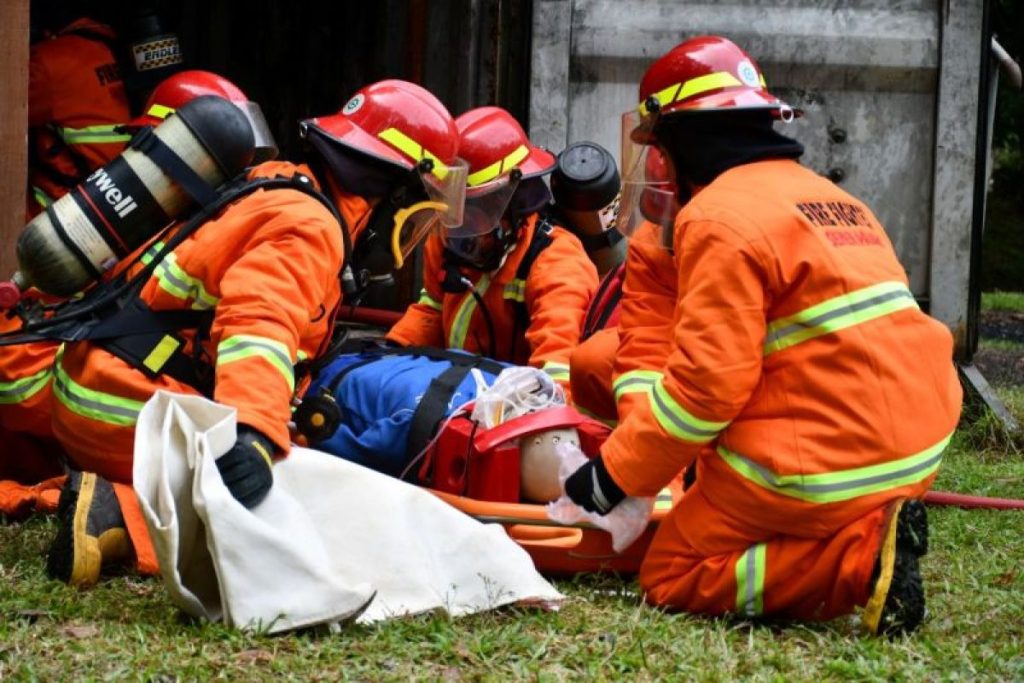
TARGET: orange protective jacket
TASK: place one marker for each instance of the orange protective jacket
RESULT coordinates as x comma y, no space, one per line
77,103
268,266
645,319
802,371
556,293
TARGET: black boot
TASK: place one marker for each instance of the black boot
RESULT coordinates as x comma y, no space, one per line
92,533
897,603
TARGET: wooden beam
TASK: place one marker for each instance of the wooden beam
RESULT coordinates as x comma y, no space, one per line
13,122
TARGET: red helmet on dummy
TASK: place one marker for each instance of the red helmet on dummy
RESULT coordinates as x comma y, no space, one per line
185,86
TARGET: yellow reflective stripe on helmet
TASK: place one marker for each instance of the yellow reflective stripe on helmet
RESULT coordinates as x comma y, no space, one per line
414,150
42,199
244,346
460,325
429,301
493,171
750,571
694,86
101,134
634,381
833,487
838,313
173,279
515,290
95,405
21,390
677,420
159,111
556,371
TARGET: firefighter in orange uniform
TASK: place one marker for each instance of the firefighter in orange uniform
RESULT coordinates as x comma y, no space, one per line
503,284
813,394
268,268
615,364
76,106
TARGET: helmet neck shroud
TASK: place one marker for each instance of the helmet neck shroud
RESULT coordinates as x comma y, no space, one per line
704,144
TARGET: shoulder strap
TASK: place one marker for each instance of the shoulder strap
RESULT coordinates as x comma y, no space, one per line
543,237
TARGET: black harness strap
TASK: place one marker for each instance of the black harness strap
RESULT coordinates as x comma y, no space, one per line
147,142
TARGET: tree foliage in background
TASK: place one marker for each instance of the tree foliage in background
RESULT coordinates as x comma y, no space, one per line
1003,249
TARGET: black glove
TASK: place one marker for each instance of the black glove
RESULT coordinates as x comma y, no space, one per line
245,469
593,489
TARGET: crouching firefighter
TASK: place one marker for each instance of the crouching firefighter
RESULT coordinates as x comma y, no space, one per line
235,301
814,396
505,283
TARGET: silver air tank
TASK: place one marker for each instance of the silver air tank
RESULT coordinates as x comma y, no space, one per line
124,203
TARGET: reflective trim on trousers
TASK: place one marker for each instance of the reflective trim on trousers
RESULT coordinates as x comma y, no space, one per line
838,313
750,569
20,390
833,487
245,346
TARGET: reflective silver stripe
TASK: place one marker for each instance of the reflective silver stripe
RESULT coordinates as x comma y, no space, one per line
838,313
557,371
21,390
244,346
678,421
92,404
634,381
750,574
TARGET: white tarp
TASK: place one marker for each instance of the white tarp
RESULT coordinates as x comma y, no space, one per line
331,539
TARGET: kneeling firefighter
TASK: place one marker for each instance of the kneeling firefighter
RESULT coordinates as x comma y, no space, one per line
814,396
234,300
505,283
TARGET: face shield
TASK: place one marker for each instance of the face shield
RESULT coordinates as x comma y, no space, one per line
266,146
444,208
480,240
649,200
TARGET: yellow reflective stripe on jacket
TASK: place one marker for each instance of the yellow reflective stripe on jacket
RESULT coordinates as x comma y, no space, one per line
245,346
460,325
21,390
92,134
556,371
95,405
42,199
515,290
495,170
427,300
750,571
834,487
678,421
663,501
694,86
634,381
838,313
414,150
173,279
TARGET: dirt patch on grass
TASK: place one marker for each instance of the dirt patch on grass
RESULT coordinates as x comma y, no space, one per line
1003,325
1001,366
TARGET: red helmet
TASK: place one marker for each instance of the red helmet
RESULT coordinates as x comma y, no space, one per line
493,143
395,121
185,86
705,73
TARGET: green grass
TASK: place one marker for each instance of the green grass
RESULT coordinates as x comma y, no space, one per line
1002,301
127,628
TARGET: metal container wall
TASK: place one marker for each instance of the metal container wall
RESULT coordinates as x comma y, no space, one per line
889,90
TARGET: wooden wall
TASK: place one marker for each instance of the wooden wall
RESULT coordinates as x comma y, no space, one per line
13,120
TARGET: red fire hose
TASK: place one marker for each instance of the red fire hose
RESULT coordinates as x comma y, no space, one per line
384,318
944,498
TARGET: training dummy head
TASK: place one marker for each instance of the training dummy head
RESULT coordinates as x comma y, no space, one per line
539,463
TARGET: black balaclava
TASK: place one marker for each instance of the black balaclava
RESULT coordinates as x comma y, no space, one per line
355,172
705,144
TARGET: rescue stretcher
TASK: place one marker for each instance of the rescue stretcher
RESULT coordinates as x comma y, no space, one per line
478,472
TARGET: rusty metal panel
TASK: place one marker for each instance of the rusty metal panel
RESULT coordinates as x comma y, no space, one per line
866,72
